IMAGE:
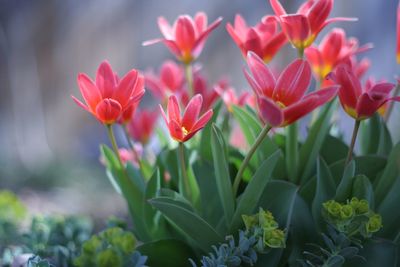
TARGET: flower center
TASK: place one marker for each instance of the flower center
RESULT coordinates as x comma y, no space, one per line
280,104
184,131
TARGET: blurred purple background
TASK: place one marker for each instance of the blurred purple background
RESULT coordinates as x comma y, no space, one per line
49,145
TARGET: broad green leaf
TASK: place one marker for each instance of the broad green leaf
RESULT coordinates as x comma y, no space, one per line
222,176
389,175
376,253
343,190
388,208
362,189
131,192
308,152
211,206
135,176
333,149
281,205
292,152
194,227
251,195
205,148
375,137
325,190
167,253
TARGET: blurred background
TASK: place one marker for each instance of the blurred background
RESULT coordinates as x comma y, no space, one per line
50,147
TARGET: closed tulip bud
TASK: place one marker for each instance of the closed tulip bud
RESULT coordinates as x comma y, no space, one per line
374,223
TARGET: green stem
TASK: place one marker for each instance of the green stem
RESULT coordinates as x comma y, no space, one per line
246,160
185,176
300,53
114,145
353,142
390,108
132,148
189,78
291,148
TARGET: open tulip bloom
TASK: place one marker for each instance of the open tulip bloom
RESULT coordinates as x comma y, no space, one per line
182,128
264,39
186,38
302,28
108,98
361,103
283,101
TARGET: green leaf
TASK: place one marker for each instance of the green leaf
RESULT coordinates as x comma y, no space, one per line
131,192
343,191
211,206
333,149
315,139
376,253
167,253
192,225
205,148
389,175
249,199
362,189
389,210
375,137
281,205
223,179
325,190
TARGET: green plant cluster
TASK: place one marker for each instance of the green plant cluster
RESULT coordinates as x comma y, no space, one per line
352,218
260,236
112,247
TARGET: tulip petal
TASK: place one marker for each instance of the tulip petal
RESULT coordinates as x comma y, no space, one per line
185,35
309,103
192,112
79,103
202,121
236,38
350,87
318,13
164,115
331,20
165,28
105,80
89,91
175,131
126,88
270,112
203,36
261,73
200,20
274,45
174,112
253,84
277,7
297,29
366,106
293,82
108,111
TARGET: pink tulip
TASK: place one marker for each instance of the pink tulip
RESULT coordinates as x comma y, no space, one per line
186,38
283,102
108,98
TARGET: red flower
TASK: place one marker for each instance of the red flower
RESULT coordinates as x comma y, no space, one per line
398,35
201,87
282,102
186,38
332,51
302,28
361,103
142,125
183,128
264,39
170,80
108,98
230,98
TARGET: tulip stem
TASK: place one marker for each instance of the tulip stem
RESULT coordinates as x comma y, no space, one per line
246,160
390,108
300,53
185,176
189,78
353,142
132,147
291,148
114,145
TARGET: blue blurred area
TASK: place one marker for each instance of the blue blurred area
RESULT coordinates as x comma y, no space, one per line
44,44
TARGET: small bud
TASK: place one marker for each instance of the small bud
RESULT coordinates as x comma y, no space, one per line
346,212
333,208
108,257
359,206
374,223
274,238
250,221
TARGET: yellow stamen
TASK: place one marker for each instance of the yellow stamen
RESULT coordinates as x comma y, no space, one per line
184,131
